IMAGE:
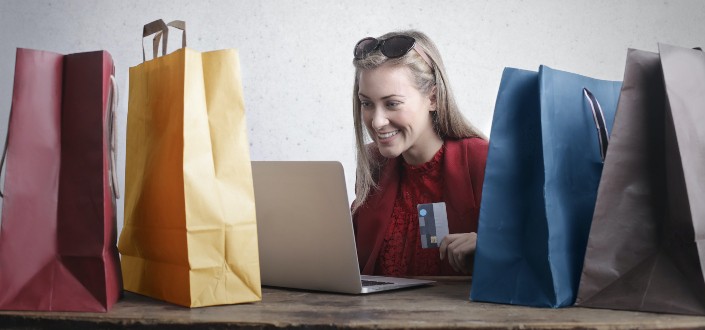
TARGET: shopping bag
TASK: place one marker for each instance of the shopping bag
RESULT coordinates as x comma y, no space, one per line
645,250
190,234
549,135
58,233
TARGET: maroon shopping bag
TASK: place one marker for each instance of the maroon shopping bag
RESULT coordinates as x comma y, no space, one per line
58,231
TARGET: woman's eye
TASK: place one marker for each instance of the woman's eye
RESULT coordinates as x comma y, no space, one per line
365,104
393,104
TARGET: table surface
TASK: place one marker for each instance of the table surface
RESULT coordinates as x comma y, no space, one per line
444,304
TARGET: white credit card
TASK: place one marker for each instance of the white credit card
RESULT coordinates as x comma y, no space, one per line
433,224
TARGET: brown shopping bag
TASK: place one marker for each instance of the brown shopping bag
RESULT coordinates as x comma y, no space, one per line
190,235
646,250
58,237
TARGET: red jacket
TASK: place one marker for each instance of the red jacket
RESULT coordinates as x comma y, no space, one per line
463,173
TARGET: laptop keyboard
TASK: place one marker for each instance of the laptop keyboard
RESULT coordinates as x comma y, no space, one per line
374,283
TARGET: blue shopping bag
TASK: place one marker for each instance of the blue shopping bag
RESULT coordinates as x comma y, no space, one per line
547,146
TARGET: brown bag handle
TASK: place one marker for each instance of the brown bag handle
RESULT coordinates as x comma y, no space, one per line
181,25
149,29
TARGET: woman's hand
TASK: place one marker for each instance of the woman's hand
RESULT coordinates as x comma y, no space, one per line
460,249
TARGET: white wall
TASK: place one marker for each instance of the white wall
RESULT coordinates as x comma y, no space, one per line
296,55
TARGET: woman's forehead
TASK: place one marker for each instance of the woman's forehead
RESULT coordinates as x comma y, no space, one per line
386,80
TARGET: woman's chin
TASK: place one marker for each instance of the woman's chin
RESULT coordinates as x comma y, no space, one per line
388,152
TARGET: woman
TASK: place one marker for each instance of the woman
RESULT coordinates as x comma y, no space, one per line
422,151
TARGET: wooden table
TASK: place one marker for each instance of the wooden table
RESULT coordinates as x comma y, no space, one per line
442,305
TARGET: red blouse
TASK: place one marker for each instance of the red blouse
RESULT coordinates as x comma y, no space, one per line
401,253
461,168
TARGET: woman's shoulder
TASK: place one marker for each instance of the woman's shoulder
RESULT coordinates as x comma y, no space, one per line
472,152
471,144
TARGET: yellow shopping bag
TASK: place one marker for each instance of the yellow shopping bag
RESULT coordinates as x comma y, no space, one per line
190,235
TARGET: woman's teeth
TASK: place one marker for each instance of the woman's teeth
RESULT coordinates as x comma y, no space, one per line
387,135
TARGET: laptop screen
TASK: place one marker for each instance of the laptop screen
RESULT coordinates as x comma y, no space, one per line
305,231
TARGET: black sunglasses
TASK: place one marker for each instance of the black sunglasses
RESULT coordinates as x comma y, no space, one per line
393,47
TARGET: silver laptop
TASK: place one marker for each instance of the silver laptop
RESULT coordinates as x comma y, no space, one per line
305,231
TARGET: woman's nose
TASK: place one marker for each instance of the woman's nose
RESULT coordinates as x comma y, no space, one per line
379,119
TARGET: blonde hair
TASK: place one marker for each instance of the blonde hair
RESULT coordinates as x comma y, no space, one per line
448,121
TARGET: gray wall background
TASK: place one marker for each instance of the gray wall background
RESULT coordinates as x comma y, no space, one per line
296,55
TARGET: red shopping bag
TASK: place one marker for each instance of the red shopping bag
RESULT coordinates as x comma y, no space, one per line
58,232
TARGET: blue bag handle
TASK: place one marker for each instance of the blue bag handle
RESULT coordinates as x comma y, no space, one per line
599,117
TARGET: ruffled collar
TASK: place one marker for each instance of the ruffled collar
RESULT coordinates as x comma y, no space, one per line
432,164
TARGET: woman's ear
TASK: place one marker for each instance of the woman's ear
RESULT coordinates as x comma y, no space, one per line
433,98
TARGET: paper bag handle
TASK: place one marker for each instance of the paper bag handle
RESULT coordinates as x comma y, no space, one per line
4,155
181,25
111,138
149,29
599,117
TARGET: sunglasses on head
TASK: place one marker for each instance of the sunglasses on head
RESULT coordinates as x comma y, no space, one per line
393,47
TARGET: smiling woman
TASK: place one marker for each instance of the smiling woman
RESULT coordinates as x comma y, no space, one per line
397,115
422,151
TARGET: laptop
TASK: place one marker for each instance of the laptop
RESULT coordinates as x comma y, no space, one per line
305,232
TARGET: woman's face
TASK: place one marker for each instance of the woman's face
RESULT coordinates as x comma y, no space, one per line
396,114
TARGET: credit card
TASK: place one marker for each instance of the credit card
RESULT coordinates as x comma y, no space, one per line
433,224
